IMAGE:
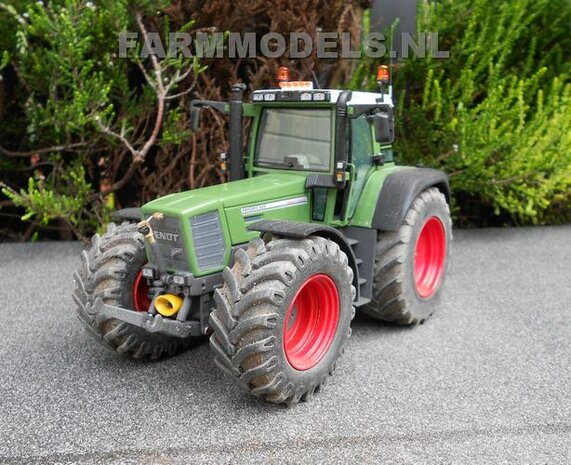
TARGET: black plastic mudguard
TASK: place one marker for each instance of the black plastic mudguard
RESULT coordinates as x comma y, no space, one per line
127,214
398,192
299,230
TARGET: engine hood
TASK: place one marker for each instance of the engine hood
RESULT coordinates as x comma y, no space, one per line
226,196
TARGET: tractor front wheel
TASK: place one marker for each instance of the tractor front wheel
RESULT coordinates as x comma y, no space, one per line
111,270
283,317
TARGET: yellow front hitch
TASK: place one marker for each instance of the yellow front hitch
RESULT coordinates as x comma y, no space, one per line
168,304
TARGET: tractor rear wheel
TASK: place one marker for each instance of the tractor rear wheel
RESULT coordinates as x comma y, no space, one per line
111,270
411,264
283,317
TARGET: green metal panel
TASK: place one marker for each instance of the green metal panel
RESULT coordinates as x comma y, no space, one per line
184,224
249,110
368,201
231,197
294,208
242,192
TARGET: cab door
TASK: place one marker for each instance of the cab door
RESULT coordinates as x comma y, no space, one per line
361,157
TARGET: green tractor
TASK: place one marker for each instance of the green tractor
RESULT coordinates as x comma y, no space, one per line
317,220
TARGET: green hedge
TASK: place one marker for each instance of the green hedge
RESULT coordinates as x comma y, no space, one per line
80,114
83,132
496,115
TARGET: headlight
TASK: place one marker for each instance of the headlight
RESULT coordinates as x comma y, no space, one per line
148,273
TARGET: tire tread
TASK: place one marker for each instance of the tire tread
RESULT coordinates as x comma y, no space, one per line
253,291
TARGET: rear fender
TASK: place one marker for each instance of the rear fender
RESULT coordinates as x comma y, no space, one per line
399,190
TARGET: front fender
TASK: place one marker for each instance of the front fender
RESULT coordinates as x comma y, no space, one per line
127,214
300,230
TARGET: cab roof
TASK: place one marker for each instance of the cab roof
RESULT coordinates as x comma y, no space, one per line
318,96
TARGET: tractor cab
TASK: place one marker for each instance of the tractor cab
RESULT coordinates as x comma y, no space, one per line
335,139
329,136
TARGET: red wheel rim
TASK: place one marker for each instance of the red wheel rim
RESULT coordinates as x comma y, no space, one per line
311,322
429,257
141,300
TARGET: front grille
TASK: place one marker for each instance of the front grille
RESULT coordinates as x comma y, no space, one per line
170,243
208,240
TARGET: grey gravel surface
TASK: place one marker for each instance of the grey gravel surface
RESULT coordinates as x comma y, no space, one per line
485,380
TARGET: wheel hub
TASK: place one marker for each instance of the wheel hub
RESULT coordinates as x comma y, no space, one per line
141,300
429,257
311,322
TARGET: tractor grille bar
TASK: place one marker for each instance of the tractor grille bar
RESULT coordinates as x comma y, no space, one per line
208,239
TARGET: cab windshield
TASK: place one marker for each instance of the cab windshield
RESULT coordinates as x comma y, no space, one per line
294,138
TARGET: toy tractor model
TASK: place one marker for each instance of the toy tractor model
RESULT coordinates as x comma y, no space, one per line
317,220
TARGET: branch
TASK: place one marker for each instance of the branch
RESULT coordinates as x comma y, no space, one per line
119,184
180,94
500,182
32,167
160,95
161,91
154,61
107,130
145,74
55,148
179,78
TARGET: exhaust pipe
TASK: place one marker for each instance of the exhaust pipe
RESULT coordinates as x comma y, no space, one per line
236,112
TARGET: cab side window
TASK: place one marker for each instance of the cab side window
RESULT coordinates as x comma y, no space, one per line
361,156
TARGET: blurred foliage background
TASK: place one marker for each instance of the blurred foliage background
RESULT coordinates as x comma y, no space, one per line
83,132
496,115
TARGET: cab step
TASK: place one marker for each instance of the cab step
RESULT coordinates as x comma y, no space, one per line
362,241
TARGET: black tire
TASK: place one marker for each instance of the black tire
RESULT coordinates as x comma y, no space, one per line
108,271
249,318
395,295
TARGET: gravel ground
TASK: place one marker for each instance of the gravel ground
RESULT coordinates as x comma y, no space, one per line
485,380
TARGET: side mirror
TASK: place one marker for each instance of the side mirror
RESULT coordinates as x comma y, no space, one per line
197,105
194,118
384,127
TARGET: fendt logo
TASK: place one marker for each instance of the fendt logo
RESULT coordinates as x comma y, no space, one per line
166,236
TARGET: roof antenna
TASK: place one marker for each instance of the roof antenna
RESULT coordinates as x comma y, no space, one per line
392,54
315,79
